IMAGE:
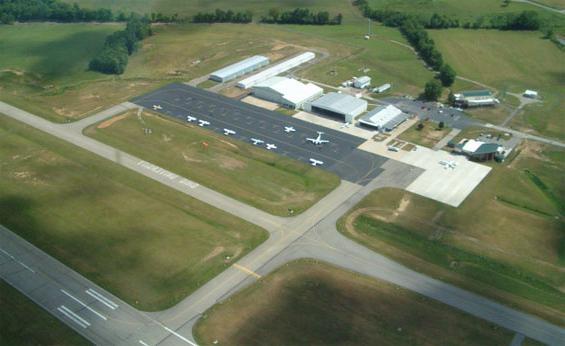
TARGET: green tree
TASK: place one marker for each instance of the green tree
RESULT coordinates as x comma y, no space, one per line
432,90
447,75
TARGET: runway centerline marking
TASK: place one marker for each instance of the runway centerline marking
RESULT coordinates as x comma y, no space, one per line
7,254
246,270
84,305
26,267
143,343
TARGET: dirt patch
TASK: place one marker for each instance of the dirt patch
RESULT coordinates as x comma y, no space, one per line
188,158
16,72
227,162
111,121
528,150
217,251
404,203
167,138
230,144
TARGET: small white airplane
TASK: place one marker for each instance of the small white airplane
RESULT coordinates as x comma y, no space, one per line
271,146
448,164
157,107
289,129
203,123
257,141
190,118
392,148
315,162
318,140
345,125
228,132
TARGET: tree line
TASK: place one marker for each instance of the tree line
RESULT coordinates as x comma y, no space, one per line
221,16
50,10
525,20
301,16
113,58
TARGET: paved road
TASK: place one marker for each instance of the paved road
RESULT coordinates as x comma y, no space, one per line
526,135
311,234
535,3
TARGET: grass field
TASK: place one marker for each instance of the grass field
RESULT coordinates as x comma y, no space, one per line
466,11
191,7
255,176
146,243
24,323
506,241
311,303
427,136
510,61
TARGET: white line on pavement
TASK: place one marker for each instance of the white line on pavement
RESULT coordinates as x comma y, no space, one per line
72,316
26,267
7,254
86,306
179,336
101,299
143,343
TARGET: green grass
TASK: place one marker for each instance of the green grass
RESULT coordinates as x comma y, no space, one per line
190,7
148,244
255,176
429,136
312,303
506,241
24,323
511,61
465,11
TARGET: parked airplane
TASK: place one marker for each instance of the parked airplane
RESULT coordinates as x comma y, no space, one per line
318,140
190,118
203,123
345,125
393,148
228,132
448,164
257,141
271,146
289,129
157,107
315,162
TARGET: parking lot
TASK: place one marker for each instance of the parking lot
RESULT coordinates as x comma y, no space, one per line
340,155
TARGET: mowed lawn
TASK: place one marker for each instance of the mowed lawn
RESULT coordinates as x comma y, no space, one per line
266,180
311,303
146,243
512,61
428,136
24,323
506,241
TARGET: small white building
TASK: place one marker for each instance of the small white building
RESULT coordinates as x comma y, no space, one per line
287,92
362,82
382,88
531,94
384,118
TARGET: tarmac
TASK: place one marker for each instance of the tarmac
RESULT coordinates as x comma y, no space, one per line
340,155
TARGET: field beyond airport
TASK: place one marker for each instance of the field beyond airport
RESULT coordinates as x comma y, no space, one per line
506,241
263,179
311,303
148,244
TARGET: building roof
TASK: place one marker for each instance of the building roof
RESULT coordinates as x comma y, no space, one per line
363,79
475,147
340,103
239,66
383,115
290,89
531,92
476,93
275,70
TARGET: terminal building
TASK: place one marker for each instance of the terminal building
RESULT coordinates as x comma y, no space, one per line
384,118
338,105
276,70
287,92
474,98
239,68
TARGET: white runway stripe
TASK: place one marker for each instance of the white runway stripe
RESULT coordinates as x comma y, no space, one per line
101,299
84,305
73,317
